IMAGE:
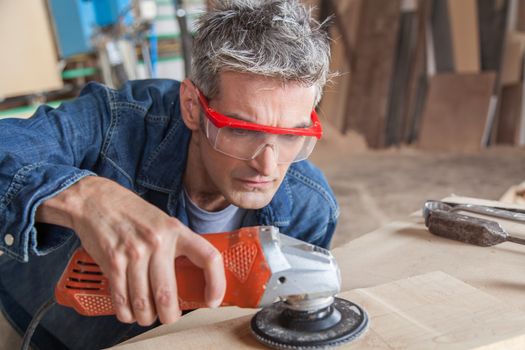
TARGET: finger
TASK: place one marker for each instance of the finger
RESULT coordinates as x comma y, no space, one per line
119,293
164,286
139,291
203,254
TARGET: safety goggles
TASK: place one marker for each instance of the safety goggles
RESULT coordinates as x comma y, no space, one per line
244,140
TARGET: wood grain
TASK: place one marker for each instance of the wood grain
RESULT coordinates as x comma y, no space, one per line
463,16
456,111
430,311
372,69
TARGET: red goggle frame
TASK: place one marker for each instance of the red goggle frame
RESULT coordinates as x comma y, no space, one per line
222,121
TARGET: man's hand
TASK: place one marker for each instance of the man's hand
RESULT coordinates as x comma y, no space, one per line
135,244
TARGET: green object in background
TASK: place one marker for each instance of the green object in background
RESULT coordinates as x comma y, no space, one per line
79,72
25,111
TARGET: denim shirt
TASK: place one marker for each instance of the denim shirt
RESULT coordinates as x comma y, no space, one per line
136,137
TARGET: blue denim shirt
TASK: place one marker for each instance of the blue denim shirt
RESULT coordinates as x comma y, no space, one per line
136,137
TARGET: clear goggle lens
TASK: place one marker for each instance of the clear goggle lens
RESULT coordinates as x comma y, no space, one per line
247,144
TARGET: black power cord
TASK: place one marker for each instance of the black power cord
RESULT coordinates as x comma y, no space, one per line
40,313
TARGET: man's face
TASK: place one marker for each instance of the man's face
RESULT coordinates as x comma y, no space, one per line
251,184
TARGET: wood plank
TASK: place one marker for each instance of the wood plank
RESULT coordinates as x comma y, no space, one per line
442,37
433,310
520,24
492,22
465,35
28,63
405,60
509,116
333,106
372,69
513,58
455,111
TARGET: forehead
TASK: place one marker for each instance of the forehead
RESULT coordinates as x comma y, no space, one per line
263,100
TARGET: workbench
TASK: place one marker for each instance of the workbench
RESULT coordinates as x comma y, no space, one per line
421,291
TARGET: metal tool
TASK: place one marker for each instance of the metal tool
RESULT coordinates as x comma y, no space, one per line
443,219
261,266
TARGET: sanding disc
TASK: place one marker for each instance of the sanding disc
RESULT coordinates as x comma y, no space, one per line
280,328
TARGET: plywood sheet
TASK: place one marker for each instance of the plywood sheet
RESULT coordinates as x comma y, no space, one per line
463,16
442,37
372,69
492,22
28,63
455,111
334,104
433,310
509,116
511,70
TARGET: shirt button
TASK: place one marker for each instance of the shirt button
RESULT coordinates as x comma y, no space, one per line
9,239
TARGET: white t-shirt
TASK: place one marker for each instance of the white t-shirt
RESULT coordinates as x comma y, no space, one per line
203,221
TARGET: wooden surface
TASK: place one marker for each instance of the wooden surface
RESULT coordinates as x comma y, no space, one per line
492,21
334,104
509,116
456,111
463,16
372,69
28,63
432,310
447,315
513,58
442,37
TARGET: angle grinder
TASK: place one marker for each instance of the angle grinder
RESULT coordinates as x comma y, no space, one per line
294,283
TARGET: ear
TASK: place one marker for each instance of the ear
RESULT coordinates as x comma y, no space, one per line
189,105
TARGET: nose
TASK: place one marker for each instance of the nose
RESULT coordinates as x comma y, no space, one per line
265,161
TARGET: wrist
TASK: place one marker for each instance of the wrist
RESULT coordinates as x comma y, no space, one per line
64,208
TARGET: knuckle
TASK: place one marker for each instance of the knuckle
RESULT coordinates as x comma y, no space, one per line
173,223
163,296
212,256
155,239
139,304
134,251
119,300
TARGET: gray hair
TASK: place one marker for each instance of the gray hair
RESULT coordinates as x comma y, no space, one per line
274,38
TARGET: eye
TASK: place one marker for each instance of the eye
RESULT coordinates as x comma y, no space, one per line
243,132
290,138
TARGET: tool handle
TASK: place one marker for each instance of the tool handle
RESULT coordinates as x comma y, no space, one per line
84,287
515,240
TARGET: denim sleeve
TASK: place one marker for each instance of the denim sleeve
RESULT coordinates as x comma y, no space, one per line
42,156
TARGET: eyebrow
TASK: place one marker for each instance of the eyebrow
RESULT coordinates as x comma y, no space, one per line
302,125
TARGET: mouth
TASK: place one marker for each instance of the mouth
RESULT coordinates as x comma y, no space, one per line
255,183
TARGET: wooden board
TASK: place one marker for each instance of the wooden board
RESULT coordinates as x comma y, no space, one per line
456,111
372,69
28,63
442,37
520,24
463,16
433,310
492,21
509,115
333,106
511,70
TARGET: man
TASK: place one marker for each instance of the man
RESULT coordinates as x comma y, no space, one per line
134,174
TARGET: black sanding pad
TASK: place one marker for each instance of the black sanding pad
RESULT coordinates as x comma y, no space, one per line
281,328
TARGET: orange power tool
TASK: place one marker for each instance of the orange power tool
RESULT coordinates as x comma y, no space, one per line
257,264
261,266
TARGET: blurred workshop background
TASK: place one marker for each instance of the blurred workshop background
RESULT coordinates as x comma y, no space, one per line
428,101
